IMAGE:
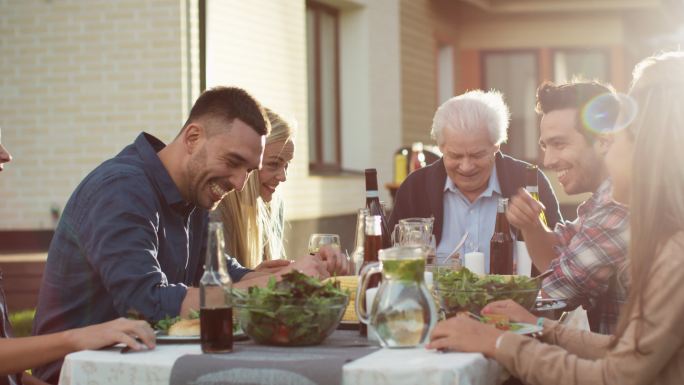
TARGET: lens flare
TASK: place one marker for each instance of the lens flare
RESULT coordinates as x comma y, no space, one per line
609,113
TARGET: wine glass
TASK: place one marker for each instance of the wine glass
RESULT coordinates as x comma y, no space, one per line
318,240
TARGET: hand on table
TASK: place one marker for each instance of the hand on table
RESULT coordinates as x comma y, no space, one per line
523,211
336,262
272,266
310,265
464,334
511,309
120,330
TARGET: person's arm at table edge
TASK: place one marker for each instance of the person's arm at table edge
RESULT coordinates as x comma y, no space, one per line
19,354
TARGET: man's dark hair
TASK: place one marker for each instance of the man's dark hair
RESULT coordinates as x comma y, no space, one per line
577,95
229,103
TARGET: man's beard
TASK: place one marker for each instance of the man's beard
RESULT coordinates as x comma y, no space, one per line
195,171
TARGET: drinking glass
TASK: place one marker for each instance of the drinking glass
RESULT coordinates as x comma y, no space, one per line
318,240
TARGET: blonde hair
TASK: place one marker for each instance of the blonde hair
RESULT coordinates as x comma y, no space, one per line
253,228
657,185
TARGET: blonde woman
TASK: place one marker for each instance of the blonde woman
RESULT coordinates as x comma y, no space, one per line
253,218
646,164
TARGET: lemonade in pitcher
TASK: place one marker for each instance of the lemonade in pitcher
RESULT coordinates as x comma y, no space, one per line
403,312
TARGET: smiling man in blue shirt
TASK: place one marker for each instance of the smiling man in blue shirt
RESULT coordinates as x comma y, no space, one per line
132,233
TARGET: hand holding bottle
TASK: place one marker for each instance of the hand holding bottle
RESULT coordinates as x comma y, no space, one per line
524,211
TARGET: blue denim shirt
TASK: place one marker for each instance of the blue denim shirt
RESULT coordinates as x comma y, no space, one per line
126,241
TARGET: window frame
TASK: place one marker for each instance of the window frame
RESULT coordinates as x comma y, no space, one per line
605,52
540,76
318,165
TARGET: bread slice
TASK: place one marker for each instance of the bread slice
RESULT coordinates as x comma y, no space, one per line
185,328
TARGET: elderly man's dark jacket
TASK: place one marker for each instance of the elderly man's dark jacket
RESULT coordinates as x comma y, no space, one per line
422,193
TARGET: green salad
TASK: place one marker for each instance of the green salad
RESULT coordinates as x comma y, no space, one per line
463,290
298,310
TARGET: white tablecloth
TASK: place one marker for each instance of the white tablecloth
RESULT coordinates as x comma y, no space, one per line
421,366
386,366
105,367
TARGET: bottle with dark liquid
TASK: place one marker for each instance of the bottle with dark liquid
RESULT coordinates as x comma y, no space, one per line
216,307
375,207
371,246
501,244
532,187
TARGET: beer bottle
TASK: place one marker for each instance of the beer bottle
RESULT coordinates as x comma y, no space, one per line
374,206
532,187
216,307
401,165
372,243
501,244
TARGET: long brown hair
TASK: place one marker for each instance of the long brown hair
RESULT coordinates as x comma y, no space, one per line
657,185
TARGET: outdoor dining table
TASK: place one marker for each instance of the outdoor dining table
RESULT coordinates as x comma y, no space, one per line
253,364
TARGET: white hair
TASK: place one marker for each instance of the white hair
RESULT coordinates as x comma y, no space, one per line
474,110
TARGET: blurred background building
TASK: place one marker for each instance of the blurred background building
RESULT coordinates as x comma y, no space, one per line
361,78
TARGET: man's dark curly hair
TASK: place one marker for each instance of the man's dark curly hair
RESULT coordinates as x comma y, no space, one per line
230,103
576,95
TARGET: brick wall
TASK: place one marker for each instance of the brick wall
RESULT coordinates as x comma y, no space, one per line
418,71
79,80
261,45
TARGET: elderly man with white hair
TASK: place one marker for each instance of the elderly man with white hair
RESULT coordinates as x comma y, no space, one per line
461,190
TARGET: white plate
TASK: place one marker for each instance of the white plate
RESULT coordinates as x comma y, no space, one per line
162,337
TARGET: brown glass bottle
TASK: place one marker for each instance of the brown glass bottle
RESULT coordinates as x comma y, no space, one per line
216,306
501,244
371,246
375,207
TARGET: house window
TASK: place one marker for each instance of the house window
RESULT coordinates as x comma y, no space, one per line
322,28
583,64
515,74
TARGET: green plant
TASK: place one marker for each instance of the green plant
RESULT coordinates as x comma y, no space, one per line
22,322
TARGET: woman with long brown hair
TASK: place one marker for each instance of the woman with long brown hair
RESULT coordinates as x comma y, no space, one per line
646,164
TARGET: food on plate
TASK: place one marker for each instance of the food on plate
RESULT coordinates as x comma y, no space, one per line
185,328
298,310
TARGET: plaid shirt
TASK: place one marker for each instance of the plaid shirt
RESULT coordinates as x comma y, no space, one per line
591,249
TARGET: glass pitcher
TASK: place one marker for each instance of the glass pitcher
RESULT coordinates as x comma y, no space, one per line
403,312
413,232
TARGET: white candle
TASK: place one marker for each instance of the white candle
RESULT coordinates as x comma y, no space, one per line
475,262
522,259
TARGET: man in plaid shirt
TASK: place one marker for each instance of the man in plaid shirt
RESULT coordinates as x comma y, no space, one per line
588,254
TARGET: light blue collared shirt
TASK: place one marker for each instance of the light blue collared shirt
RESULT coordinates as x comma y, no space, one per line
477,218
